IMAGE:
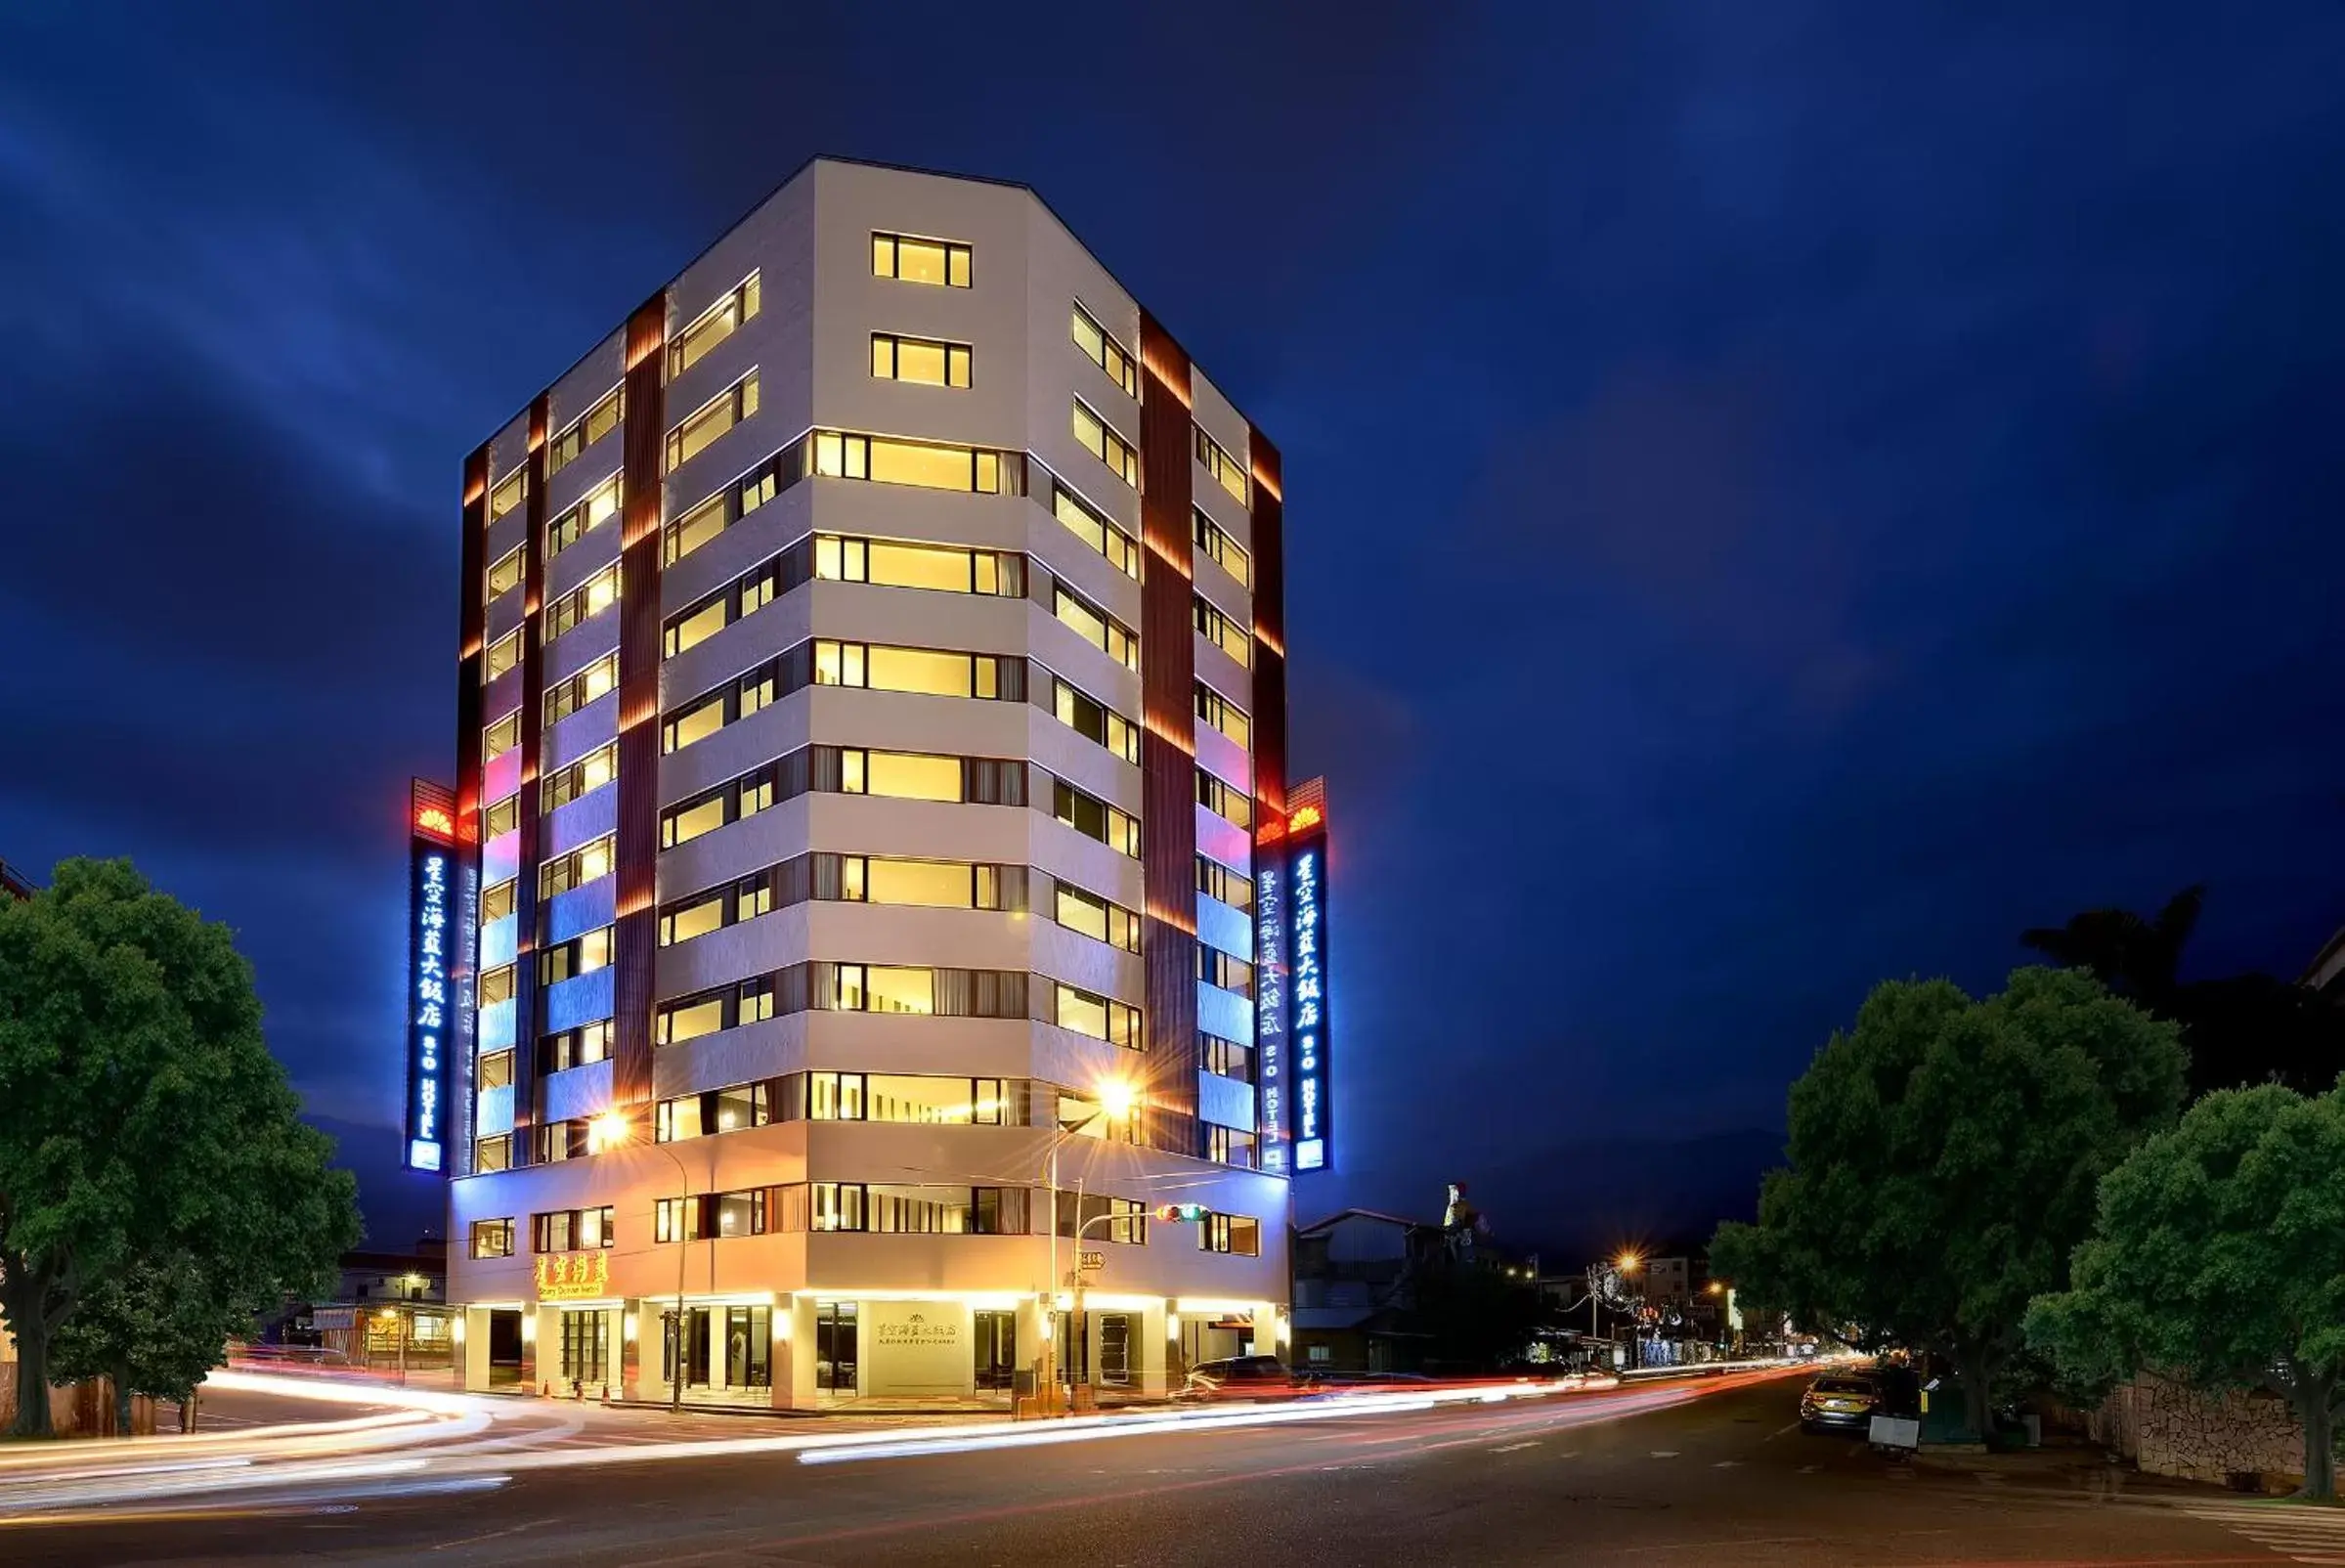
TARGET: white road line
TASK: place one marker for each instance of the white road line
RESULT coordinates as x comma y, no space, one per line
1779,1431
1725,1465
2304,1534
1665,1452
1516,1447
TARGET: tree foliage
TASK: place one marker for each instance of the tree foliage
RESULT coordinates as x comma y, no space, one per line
1476,1314
2218,1253
1944,1155
145,1129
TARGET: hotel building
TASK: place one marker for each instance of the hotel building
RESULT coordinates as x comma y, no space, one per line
872,674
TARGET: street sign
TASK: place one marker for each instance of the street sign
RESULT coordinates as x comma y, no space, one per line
1092,1260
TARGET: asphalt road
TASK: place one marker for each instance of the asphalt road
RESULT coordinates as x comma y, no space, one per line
1701,1475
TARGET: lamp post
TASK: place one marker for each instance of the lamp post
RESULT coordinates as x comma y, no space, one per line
1117,1101
1628,1263
610,1130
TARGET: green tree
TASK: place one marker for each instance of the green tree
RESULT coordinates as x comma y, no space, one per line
2218,1255
1943,1159
144,1126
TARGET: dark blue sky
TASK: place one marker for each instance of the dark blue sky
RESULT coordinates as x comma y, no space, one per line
1779,495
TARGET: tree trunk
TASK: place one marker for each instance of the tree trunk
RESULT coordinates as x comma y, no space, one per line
1977,1374
2313,1396
30,1327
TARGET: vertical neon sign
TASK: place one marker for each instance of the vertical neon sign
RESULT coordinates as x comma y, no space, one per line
434,951
1270,1005
1309,1106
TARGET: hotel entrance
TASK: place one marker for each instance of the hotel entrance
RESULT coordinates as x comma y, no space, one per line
728,1353
996,1335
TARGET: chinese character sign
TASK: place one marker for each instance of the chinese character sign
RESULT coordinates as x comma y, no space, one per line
572,1276
1269,1006
1308,1103
431,1008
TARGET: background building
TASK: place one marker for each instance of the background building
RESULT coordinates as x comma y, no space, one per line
873,672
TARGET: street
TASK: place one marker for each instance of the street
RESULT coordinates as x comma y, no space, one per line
1701,1472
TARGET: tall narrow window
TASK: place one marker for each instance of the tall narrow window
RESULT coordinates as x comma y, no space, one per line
1222,631
920,261
1105,352
920,360
506,575
510,492
1226,470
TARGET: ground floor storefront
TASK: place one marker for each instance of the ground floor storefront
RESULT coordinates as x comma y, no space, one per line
814,1350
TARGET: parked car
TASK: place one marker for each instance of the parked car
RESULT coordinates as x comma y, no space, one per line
1240,1377
1840,1402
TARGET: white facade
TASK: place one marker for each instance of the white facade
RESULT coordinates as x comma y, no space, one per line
830,1002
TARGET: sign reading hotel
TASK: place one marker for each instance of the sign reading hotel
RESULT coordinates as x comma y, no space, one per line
1310,1107
573,1276
436,928
1270,998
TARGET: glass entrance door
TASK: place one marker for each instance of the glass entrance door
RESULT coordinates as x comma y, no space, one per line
1115,1349
996,1336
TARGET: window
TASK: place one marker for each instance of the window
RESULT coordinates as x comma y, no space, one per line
1222,631
744,596
1217,967
501,737
581,1047
713,326
908,1210
496,985
493,1238
928,672
920,360
836,1338
742,697
587,774
1217,881
717,907
496,1070
1106,352
572,1229
504,654
1225,551
1230,1233
510,492
492,1154
783,779
1096,627
500,816
943,992
1095,531
920,261
712,420
497,903
1094,1217
589,862
588,600
599,507
928,884
714,1111
1225,1059
926,464
883,988
1228,1146
1000,573
1221,712
903,775
1096,437
726,1007
714,1215
599,422
736,500
899,1098
1224,801
1096,917
1095,720
581,954
1102,1018
1226,470
506,575
567,697
1095,818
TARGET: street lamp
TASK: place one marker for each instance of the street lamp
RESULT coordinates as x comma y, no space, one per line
610,1130
1117,1101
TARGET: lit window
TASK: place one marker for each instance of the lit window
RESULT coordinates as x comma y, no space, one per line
1226,470
500,816
1095,531
1096,627
584,602
504,654
713,325
1222,631
1218,968
920,566
496,987
501,737
493,1238
1225,800
569,696
1099,1016
599,422
497,903
1214,543
492,1154
588,863
1095,720
920,261
509,492
712,420
598,508
1218,881
911,775
919,360
923,464
1096,917
1105,352
883,988
1096,437
587,774
1222,714
506,575
1095,818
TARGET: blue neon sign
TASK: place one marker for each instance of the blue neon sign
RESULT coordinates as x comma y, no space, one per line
1269,1008
1309,1104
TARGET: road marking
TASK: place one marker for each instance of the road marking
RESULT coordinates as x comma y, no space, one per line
1725,1465
1807,1469
1779,1431
1515,1448
2306,1535
1665,1452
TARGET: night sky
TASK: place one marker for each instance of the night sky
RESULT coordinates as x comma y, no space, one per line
1779,495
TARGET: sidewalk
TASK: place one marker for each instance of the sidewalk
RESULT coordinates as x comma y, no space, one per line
2062,1466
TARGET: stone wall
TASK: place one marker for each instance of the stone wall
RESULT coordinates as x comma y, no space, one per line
2170,1428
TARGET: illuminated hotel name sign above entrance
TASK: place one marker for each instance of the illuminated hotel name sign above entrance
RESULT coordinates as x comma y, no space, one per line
436,937
573,1276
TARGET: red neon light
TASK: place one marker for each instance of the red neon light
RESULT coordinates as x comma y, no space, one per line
1271,832
433,819
1308,817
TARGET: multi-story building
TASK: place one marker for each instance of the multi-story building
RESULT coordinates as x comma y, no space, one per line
872,671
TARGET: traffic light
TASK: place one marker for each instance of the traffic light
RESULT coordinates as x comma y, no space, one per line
1180,1211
